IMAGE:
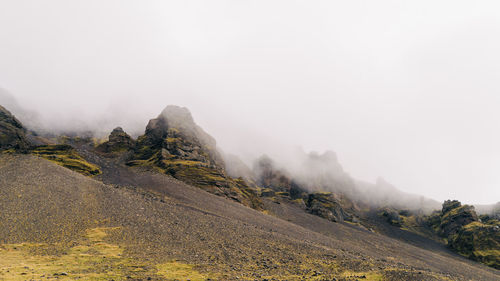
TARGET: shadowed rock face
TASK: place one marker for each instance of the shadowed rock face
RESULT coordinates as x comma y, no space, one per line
12,132
176,134
454,216
331,206
118,141
269,176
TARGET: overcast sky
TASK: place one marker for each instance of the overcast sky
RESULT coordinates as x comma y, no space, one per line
405,90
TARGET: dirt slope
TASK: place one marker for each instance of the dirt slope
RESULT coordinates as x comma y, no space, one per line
142,225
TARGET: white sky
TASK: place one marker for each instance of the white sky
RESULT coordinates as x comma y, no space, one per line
406,90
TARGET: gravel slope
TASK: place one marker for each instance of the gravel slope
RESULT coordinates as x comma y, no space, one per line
161,219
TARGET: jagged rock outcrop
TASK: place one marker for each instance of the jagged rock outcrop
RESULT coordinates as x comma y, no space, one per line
173,135
467,234
454,216
392,216
118,141
456,225
278,180
176,145
323,172
279,185
330,206
12,132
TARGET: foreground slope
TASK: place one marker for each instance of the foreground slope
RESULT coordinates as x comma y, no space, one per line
144,225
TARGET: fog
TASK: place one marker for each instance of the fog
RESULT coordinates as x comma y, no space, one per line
405,90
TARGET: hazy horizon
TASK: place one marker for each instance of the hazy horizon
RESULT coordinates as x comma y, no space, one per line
396,89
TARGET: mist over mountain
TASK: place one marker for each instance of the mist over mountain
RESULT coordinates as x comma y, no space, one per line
401,91
312,171
249,140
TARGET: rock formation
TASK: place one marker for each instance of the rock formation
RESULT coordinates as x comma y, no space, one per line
12,132
118,141
176,145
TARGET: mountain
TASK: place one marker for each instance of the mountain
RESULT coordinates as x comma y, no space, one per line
167,207
175,145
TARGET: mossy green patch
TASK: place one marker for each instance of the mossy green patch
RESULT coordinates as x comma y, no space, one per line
92,258
175,270
369,276
479,242
68,157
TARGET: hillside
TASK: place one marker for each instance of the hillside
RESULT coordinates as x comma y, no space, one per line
153,222
164,207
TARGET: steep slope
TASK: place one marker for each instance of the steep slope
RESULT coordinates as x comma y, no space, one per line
149,225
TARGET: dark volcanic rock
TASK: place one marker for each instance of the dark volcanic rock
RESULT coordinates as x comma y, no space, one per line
326,205
118,141
449,205
174,144
175,135
454,216
12,132
468,235
392,216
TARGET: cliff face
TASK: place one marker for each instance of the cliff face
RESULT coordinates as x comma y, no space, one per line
12,132
174,144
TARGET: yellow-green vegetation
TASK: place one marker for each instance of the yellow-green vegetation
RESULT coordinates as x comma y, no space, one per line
369,276
283,194
459,227
92,258
203,175
68,157
420,225
478,241
175,270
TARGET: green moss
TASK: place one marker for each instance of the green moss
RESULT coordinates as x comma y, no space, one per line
92,258
173,140
175,270
68,157
283,194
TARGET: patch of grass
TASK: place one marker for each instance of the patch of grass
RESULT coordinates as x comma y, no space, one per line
68,157
369,276
175,270
93,258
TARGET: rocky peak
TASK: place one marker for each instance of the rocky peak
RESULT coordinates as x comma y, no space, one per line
12,132
118,141
449,205
269,176
174,144
179,137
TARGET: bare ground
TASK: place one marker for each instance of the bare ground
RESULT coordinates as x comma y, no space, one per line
155,220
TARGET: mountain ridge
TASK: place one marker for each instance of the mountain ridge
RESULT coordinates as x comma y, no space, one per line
174,146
